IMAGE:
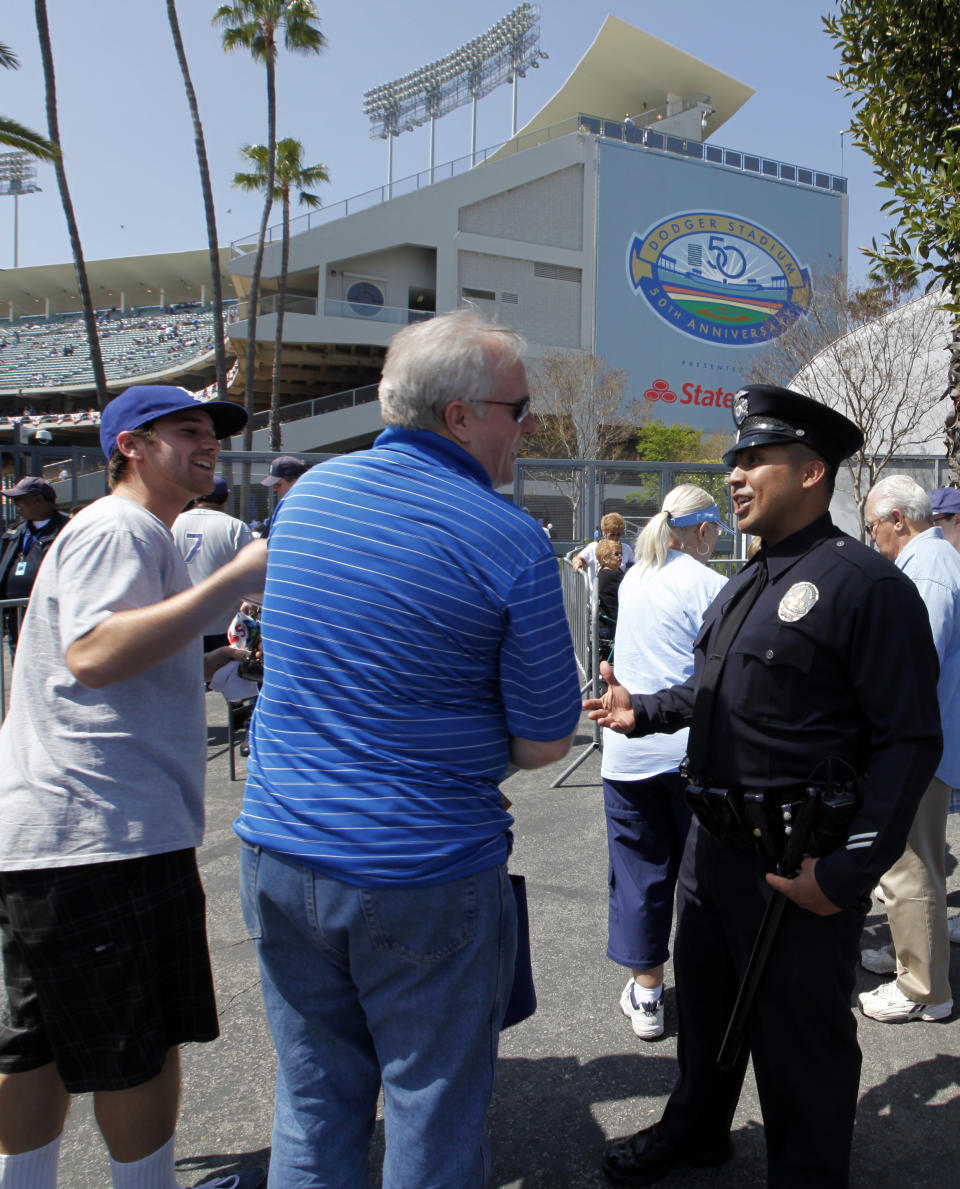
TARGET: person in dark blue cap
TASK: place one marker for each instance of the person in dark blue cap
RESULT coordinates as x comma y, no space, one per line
102,759
945,502
23,546
284,472
794,721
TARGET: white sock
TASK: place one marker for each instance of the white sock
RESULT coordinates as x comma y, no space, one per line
152,1172
647,994
31,1170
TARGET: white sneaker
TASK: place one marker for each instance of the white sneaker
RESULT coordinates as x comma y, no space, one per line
953,929
881,961
646,1018
889,1004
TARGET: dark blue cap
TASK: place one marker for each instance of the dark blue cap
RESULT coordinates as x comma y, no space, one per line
288,467
945,501
766,415
147,402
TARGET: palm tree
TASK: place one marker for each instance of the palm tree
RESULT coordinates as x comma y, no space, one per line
13,134
256,25
53,129
289,174
219,346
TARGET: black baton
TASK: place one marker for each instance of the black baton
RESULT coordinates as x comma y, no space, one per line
767,933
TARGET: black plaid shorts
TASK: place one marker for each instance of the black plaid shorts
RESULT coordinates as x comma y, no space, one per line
106,968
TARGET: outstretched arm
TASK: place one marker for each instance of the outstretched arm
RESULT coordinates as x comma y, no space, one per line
615,708
130,642
661,713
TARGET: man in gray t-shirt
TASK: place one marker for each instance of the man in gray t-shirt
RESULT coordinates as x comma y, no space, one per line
101,806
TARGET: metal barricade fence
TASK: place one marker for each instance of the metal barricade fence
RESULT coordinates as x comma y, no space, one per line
17,607
582,620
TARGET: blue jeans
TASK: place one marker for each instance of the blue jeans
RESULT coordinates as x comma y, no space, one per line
400,986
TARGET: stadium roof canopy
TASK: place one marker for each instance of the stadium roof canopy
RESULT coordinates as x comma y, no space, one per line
628,71
179,276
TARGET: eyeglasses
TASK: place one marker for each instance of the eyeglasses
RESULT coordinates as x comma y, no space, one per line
871,525
520,407
940,517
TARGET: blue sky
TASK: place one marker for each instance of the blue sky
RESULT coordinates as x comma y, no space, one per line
128,139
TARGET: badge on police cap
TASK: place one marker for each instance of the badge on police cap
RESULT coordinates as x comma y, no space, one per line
741,406
797,601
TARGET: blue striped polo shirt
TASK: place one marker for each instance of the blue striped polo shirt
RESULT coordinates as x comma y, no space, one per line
412,623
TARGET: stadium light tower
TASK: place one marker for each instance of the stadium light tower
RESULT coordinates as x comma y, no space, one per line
17,174
501,55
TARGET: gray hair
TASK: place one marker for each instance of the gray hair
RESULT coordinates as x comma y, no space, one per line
901,492
657,536
454,357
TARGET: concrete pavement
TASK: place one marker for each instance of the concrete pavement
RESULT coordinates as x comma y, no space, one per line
574,1073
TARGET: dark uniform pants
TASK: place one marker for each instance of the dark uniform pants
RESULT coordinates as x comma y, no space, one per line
802,1034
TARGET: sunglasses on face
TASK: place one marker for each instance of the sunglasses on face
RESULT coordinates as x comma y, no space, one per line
520,407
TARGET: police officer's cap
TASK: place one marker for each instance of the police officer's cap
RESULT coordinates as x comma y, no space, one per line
767,415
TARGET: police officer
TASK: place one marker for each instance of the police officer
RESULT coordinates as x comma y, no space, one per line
22,548
815,668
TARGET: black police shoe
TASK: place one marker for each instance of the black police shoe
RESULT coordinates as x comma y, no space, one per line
645,1157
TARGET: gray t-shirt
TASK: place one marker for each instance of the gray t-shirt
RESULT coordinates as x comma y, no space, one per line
86,775
208,539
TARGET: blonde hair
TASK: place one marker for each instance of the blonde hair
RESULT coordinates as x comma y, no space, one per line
657,537
613,522
606,551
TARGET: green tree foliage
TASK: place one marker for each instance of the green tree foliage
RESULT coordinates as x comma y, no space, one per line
259,26
900,63
658,442
16,136
290,174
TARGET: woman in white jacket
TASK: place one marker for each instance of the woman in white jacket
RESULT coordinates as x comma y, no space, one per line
663,598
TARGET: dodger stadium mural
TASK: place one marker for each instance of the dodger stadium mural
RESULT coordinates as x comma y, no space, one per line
697,269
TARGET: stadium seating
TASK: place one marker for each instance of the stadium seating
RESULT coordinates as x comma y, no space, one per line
38,353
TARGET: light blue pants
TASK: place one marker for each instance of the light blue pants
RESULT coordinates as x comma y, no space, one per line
400,986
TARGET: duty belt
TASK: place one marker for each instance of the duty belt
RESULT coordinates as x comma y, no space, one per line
761,820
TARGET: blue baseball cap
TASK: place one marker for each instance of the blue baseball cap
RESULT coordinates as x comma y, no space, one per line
945,501
288,467
147,402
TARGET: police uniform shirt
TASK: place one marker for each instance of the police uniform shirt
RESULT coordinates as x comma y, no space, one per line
835,660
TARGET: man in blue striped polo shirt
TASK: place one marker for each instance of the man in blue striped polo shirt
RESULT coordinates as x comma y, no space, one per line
414,644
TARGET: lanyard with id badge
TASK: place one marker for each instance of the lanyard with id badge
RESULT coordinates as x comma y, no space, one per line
28,539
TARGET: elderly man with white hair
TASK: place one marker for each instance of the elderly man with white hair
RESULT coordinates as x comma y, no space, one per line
414,644
900,520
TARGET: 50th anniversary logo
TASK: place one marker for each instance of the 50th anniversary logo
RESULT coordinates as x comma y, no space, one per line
718,278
